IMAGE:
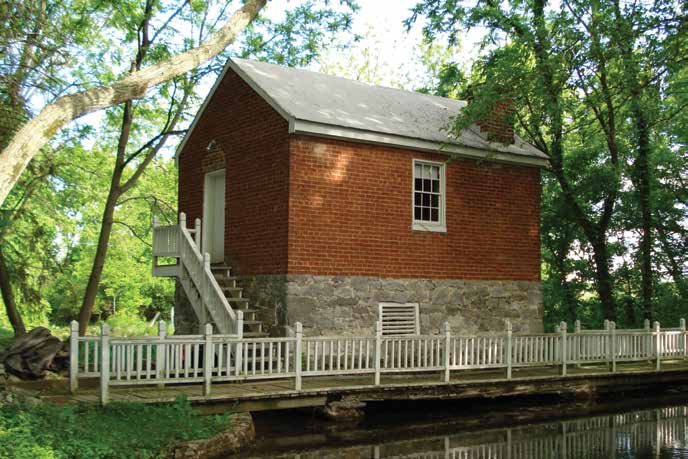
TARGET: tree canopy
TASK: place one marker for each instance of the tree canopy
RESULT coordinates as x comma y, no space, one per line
601,88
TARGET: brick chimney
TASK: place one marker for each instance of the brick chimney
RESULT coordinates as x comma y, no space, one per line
498,125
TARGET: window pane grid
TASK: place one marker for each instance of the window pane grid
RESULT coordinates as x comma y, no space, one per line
427,193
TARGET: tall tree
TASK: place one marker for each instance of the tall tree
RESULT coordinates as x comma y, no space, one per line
135,162
34,43
581,79
534,70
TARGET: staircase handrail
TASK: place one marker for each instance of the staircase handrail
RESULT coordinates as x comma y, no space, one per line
198,267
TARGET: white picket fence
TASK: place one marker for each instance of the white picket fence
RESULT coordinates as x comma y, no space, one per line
213,358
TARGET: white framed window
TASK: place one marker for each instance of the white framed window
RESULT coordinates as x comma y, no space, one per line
428,205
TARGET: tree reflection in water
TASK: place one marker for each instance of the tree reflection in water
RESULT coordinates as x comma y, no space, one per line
657,433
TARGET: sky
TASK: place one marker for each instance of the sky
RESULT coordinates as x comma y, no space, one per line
380,23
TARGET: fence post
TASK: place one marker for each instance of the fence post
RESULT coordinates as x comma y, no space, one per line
562,332
576,341
160,354
612,332
104,363
509,344
74,357
197,233
684,338
650,343
447,351
205,288
208,359
605,342
378,351
298,355
238,358
658,350
557,347
608,342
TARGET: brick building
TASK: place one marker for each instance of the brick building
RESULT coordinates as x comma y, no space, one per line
327,196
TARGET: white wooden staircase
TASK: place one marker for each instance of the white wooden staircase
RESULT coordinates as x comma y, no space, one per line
211,289
253,328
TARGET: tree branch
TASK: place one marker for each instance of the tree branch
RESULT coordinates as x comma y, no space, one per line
132,231
37,132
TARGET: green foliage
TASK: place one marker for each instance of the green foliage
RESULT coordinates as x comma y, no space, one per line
116,431
298,39
588,81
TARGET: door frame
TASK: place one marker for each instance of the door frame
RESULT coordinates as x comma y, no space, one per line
206,230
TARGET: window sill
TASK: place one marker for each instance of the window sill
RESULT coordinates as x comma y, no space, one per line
417,226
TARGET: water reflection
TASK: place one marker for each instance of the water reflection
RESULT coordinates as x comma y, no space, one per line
657,433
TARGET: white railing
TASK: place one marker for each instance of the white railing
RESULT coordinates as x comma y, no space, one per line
194,273
166,359
165,239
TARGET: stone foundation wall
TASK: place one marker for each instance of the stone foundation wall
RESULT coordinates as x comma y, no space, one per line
349,305
268,295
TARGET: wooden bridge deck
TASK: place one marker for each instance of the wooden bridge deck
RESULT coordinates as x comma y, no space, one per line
316,391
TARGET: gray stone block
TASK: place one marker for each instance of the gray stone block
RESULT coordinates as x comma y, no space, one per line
349,305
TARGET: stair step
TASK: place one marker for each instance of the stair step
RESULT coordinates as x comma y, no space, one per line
232,289
237,300
226,281
249,314
253,325
221,270
222,276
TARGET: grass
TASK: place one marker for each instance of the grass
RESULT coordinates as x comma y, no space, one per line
116,431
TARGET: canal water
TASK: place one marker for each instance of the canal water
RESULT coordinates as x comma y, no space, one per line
636,428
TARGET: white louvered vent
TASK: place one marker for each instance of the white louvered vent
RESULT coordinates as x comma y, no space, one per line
399,318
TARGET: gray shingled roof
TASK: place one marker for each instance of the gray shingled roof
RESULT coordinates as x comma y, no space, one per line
319,104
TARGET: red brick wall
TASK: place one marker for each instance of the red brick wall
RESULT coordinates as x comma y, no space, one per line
350,214
499,125
251,141
306,205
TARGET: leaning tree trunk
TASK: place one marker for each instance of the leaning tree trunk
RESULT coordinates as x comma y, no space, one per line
101,253
37,132
8,298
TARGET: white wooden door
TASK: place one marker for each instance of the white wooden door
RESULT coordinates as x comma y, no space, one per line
214,216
